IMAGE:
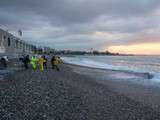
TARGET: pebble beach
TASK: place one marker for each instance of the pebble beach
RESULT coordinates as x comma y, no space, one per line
66,95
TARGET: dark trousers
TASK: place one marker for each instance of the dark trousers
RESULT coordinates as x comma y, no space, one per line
45,65
26,65
55,67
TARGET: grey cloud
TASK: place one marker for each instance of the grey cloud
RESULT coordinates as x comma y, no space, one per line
78,11
71,23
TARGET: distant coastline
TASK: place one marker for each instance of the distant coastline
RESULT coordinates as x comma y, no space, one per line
71,52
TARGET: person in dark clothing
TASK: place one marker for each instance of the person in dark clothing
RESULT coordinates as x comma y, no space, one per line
52,59
45,63
21,60
25,60
4,63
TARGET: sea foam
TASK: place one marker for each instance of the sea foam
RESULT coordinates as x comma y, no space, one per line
140,66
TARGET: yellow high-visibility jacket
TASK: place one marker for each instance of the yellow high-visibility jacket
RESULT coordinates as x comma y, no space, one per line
41,61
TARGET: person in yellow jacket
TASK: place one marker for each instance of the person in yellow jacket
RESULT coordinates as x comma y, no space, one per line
55,61
41,63
34,62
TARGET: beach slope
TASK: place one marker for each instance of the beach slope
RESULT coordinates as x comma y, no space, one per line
65,95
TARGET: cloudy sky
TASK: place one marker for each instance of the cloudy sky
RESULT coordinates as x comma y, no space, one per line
126,26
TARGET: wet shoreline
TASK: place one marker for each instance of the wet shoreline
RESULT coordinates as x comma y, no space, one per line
134,86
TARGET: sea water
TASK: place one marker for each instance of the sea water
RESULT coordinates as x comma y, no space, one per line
138,64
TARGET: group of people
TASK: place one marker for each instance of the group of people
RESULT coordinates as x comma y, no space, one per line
41,62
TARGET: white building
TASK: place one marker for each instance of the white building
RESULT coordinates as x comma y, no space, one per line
12,46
